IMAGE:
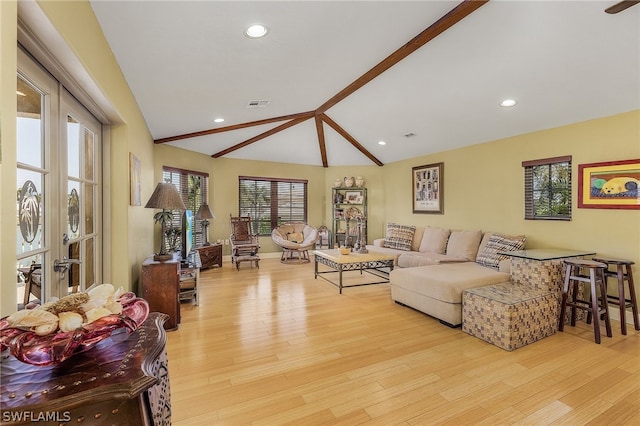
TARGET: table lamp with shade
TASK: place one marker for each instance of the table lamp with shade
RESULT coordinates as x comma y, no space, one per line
167,198
204,214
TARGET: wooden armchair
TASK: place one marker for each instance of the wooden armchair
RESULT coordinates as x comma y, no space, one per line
244,243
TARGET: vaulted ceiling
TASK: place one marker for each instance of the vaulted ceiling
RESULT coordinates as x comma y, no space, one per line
333,78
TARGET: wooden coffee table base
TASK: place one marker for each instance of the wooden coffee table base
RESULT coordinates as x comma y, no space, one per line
372,263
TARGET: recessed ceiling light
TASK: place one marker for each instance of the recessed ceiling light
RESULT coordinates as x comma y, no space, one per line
508,103
256,31
218,120
382,143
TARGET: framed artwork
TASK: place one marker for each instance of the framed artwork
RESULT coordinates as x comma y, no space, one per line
353,197
134,180
609,185
428,188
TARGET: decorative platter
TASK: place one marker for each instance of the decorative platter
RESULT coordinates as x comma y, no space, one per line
51,349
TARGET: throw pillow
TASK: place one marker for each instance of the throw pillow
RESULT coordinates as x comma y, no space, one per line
435,240
295,237
399,236
464,244
498,243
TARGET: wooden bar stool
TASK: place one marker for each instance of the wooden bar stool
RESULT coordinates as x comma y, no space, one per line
596,307
621,300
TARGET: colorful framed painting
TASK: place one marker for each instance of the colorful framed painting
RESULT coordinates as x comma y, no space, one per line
428,186
609,185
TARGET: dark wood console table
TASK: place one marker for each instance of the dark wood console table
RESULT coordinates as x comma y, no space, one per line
124,380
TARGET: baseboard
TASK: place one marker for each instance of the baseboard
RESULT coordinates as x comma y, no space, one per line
614,313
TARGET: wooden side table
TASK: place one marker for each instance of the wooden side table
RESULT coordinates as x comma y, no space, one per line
160,287
210,255
123,380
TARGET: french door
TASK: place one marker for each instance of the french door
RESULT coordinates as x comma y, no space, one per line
59,189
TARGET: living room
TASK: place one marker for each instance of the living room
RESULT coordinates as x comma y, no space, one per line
483,183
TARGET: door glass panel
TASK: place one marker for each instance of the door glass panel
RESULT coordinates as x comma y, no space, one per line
73,147
29,205
29,149
30,176
88,208
30,280
73,210
89,265
89,140
74,270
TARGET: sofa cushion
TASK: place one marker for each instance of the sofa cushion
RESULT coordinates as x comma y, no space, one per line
413,259
399,236
417,238
464,244
488,254
447,281
434,240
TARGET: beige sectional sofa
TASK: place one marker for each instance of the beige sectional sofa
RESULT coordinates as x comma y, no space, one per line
435,266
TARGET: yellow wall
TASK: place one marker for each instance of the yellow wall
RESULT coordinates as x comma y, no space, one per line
8,106
223,186
483,188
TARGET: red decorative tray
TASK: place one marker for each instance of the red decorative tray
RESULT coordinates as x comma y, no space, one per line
30,348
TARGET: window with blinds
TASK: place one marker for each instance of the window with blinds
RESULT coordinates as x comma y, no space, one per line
192,187
270,202
547,188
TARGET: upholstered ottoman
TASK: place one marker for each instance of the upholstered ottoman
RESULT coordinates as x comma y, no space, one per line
509,315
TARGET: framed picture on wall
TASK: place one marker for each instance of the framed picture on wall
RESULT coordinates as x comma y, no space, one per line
428,188
609,185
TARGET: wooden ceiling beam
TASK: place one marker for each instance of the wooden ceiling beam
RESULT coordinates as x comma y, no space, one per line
335,126
321,141
233,127
441,25
263,135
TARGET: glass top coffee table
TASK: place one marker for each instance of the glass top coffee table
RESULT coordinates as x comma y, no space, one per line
377,264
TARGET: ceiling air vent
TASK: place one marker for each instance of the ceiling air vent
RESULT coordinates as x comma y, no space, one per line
257,104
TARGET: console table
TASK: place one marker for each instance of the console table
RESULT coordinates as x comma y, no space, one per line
123,380
210,255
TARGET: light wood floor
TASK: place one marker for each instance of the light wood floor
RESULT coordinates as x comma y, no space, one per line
274,346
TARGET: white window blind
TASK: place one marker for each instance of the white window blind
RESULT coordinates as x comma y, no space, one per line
193,188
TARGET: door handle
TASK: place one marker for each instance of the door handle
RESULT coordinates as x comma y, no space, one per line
63,265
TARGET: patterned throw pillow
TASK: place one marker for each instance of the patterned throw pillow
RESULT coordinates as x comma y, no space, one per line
399,237
497,244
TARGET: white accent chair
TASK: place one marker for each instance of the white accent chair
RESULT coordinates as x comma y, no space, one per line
295,238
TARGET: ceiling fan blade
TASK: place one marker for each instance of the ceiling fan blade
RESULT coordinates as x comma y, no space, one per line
619,7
